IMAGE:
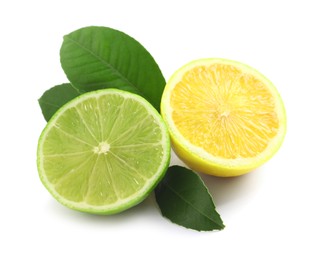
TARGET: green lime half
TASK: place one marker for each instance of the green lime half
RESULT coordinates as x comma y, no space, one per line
103,152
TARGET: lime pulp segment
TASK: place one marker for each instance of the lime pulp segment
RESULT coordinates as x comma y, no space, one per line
103,152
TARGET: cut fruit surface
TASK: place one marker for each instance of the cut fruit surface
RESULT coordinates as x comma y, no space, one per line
224,117
103,152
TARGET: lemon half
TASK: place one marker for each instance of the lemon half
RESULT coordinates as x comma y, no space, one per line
224,117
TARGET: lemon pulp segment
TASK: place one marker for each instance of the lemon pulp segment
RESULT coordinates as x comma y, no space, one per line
228,113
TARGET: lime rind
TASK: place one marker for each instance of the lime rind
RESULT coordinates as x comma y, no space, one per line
120,204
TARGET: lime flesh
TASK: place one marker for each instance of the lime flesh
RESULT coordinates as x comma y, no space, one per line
103,152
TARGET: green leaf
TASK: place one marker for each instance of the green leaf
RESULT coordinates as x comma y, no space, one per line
184,199
100,57
55,98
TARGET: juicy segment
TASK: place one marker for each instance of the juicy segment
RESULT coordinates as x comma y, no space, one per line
227,112
102,151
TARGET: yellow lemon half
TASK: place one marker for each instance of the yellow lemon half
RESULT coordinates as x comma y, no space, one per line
224,117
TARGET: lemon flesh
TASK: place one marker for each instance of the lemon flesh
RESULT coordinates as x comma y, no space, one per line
224,117
103,152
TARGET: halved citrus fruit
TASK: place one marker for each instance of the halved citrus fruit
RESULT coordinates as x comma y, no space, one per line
224,117
103,152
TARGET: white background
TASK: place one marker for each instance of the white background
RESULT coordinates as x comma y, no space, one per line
269,213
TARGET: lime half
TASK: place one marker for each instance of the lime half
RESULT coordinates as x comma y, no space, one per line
103,152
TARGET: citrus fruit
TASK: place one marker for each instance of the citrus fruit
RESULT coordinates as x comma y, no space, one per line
103,152
224,117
